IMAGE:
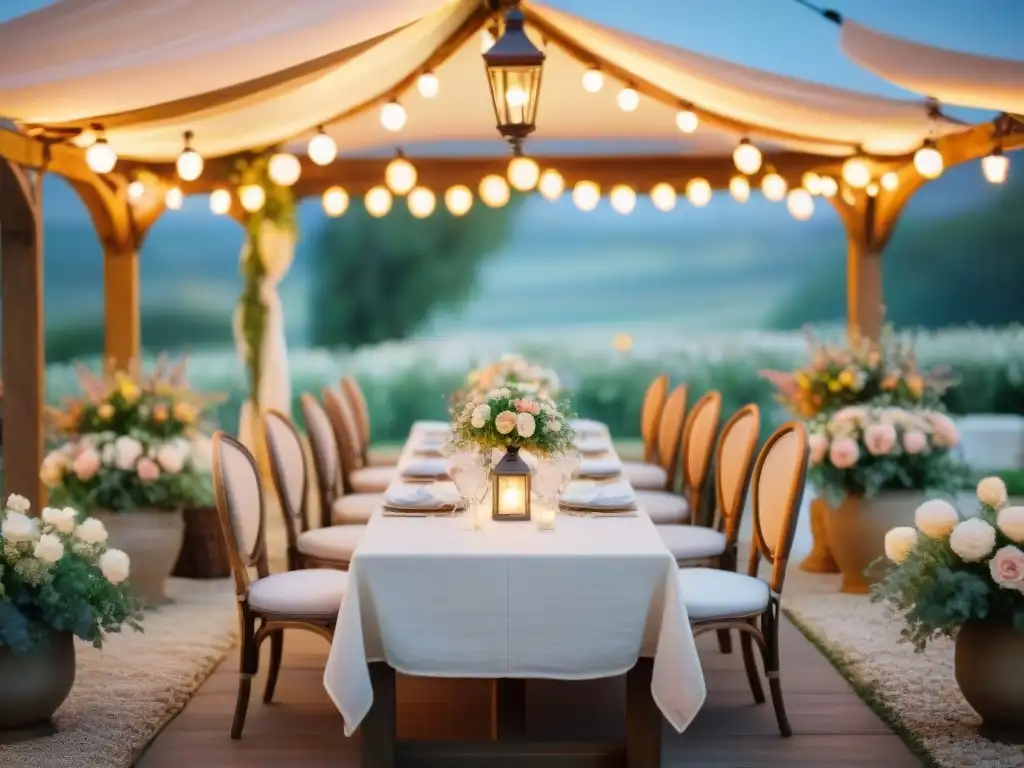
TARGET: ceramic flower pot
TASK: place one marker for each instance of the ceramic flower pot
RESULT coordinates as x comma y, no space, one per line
33,685
991,677
152,539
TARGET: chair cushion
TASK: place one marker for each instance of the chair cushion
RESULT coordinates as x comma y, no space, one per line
713,594
336,542
689,542
371,479
312,592
355,508
664,508
644,476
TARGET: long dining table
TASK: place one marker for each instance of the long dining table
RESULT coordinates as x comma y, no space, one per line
434,596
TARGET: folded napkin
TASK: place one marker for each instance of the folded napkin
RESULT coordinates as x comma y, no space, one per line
587,427
592,444
434,427
421,496
600,495
431,443
425,468
599,467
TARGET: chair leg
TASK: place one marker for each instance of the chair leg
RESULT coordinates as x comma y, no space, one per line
276,653
250,660
724,641
753,674
770,627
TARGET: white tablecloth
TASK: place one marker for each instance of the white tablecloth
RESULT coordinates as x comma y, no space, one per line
432,597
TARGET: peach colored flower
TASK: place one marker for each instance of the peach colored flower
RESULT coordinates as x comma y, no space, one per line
880,439
505,422
1011,523
936,518
844,453
915,441
992,491
527,406
148,470
944,430
819,448
86,464
1007,568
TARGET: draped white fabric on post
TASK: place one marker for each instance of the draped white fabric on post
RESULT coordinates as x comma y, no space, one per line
952,77
277,249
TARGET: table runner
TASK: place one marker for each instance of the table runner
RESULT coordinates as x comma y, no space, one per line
431,597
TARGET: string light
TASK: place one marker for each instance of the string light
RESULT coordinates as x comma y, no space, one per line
663,197
928,160
335,201
623,199
189,163
872,189
586,195
698,192
747,158
393,116
136,190
377,201
628,99
739,188
551,185
400,176
800,204
811,182
494,191
687,120
284,169
428,85
100,156
829,186
773,187
995,166
458,200
856,172
322,149
593,80
220,202
890,180
174,199
251,197
523,173
421,202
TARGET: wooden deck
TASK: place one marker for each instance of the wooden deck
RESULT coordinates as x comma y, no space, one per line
832,727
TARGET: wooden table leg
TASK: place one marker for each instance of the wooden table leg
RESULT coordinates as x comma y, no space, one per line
643,718
510,709
379,731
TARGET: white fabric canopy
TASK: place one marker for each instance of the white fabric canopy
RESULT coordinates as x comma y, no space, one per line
952,77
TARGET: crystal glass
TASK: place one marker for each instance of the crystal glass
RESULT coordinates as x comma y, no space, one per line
476,480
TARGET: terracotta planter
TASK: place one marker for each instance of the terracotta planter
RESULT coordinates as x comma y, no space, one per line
33,685
152,540
991,677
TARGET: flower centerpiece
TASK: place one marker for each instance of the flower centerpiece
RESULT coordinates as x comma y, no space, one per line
58,580
134,454
964,577
872,466
514,371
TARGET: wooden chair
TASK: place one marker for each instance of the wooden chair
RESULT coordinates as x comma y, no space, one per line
355,477
329,547
336,508
357,400
649,474
271,603
667,506
698,446
724,600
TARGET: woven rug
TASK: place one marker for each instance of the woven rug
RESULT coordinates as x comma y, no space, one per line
124,694
915,693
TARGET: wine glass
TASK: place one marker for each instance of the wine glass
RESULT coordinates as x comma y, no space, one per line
547,481
459,469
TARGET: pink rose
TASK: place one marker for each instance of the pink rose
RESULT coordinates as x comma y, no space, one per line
819,448
944,429
844,453
880,439
1007,568
86,464
915,442
148,470
527,406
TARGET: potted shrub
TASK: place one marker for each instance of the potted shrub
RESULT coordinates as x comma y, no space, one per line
135,456
872,467
963,577
58,581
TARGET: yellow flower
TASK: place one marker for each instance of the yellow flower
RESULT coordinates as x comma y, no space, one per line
835,386
105,411
184,412
845,378
916,385
160,413
127,388
802,380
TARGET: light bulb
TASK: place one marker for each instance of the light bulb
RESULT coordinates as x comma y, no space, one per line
421,202
872,189
628,99
551,184
890,180
747,158
663,196
377,202
773,187
252,197
220,201
698,192
687,120
335,201
623,199
400,175
100,156
829,186
995,167
428,85
174,199
593,80
523,173
136,190
739,188
284,169
856,172
189,164
586,195
928,160
494,191
516,97
392,116
486,41
811,182
800,204
322,149
458,200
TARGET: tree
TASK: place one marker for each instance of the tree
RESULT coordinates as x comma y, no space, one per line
376,279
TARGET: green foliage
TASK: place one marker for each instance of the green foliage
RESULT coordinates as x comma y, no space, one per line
376,279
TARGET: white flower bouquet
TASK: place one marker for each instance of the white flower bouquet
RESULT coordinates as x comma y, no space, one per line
57,575
514,371
511,417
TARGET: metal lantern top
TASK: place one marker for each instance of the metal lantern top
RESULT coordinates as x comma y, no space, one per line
514,67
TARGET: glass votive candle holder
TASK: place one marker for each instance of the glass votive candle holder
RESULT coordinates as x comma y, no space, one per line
545,516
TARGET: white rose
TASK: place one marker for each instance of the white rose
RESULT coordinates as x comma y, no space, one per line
202,453
170,458
936,518
899,542
526,425
61,519
480,416
1011,523
505,422
115,565
127,451
49,548
18,527
91,531
51,471
18,503
973,540
108,454
992,491
554,425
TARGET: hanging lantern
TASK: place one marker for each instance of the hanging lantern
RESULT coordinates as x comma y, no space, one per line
510,486
400,175
458,200
514,67
421,202
220,202
322,149
335,201
523,173
189,163
928,160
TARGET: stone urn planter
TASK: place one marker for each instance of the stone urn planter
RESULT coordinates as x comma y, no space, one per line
152,539
33,685
991,677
